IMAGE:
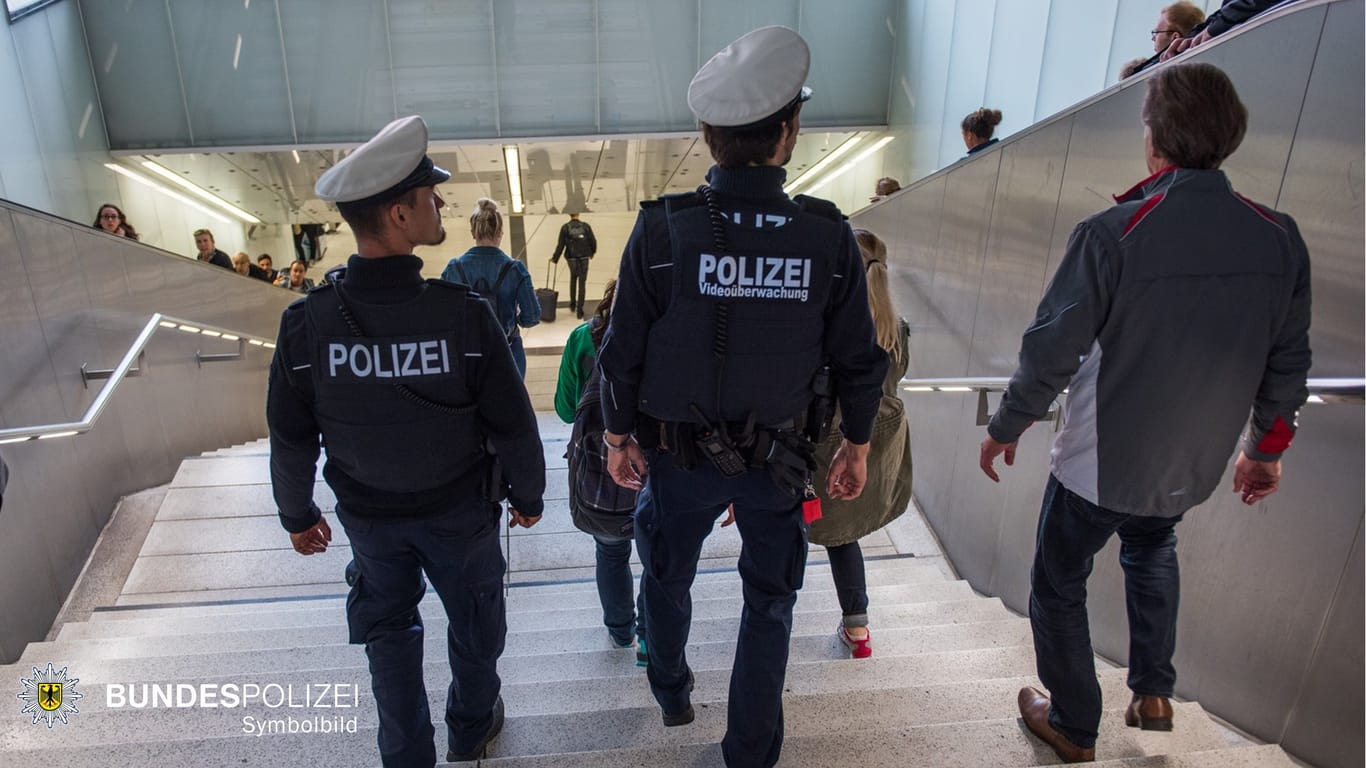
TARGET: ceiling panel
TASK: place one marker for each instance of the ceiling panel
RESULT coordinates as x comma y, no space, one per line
232,69
340,82
648,55
291,73
547,67
135,69
444,66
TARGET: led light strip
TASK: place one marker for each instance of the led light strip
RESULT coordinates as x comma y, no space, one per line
840,171
197,191
143,180
514,169
822,164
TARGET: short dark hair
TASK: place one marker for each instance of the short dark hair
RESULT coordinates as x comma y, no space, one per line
738,147
369,219
1194,115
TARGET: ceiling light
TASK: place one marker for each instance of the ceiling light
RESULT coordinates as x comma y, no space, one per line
823,164
514,169
139,178
295,152
203,194
840,171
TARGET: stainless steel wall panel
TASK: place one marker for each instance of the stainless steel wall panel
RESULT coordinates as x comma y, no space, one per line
1323,191
1322,715
73,296
1270,587
1268,64
1018,247
1104,158
58,289
1270,634
28,391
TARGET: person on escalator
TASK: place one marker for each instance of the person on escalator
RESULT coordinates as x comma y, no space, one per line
1230,14
978,128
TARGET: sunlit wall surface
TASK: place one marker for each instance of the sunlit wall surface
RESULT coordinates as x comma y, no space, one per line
1028,58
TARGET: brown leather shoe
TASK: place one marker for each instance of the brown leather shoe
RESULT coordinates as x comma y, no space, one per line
1151,713
1034,709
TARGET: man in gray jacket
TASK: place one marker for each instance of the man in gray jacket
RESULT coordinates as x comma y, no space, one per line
1171,315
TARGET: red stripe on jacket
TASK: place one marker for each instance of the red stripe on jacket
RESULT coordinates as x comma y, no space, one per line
1259,210
1277,439
1143,211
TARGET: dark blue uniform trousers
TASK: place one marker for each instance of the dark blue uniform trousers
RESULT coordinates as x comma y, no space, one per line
459,552
1071,531
674,514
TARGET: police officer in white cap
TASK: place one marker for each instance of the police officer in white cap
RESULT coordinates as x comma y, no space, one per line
735,304
407,381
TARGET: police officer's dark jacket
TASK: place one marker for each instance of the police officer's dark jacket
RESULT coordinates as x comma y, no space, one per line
389,455
793,280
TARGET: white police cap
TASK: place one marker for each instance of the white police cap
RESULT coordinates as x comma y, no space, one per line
386,166
752,81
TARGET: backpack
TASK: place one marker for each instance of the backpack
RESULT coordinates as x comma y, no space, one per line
596,503
481,287
578,240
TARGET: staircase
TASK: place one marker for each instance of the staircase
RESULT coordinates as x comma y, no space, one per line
216,596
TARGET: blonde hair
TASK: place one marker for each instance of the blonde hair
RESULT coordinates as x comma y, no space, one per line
486,223
885,321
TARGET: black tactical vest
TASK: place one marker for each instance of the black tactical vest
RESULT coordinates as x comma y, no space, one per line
766,345
373,432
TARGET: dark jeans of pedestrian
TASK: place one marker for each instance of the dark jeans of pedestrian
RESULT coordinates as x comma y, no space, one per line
616,587
851,584
578,282
518,352
1071,531
674,514
458,552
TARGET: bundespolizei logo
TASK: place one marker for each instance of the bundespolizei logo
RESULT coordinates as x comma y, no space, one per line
50,695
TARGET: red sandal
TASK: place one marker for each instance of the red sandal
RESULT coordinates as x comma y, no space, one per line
859,648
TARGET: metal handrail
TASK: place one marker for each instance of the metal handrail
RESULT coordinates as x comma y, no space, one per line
1320,391
114,376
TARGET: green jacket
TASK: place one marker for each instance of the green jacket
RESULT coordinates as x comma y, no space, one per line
888,490
575,365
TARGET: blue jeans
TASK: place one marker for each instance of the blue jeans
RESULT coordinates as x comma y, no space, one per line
616,587
851,583
674,514
1071,531
458,551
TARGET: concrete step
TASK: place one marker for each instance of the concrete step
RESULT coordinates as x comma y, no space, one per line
254,552
586,635
329,581
564,609
712,584
581,707
527,662
1001,741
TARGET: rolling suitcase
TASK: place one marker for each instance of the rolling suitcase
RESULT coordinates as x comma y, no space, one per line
548,296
